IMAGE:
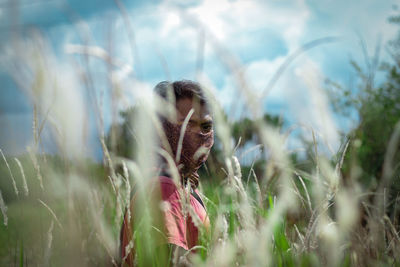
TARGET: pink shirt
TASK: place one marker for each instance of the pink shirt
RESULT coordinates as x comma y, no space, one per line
179,229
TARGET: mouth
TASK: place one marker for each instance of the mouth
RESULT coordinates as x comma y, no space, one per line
203,158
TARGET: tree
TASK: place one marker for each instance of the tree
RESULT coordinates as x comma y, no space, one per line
378,110
121,141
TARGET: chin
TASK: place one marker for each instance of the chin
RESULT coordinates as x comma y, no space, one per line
203,159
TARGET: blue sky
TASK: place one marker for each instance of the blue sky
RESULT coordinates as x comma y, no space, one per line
259,34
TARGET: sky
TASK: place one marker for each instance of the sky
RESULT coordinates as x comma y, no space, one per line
151,41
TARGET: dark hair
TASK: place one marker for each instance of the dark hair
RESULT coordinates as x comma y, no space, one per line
181,89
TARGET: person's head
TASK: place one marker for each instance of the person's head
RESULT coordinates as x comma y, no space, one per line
199,135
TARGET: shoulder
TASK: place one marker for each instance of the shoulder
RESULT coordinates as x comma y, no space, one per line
168,188
166,181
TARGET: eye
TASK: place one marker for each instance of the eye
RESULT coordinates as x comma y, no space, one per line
206,126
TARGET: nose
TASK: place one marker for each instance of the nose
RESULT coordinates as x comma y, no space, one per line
208,139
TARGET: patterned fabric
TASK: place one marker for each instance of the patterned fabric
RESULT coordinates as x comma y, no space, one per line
192,142
192,179
178,226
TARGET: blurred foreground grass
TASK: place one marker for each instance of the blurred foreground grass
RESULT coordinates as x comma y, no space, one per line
280,210
73,221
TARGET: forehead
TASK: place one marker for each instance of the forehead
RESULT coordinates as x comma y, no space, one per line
184,105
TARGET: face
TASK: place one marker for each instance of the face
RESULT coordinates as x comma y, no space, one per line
198,138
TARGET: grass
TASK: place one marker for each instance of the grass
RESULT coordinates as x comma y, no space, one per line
288,222
65,210
75,218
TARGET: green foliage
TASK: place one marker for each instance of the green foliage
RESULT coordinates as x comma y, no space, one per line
246,130
254,220
378,111
121,139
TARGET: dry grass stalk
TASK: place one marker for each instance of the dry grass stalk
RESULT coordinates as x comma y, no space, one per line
36,166
24,183
48,245
3,208
11,175
52,213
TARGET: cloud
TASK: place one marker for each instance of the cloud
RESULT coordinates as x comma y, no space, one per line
311,107
227,18
56,89
298,96
351,21
258,74
261,34
167,46
368,18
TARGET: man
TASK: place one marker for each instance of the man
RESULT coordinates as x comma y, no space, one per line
182,212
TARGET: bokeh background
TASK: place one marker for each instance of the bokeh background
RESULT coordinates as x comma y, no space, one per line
152,41
305,96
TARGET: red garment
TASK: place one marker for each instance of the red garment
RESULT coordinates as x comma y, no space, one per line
178,230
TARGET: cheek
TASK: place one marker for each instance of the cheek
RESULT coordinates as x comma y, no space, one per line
210,140
194,140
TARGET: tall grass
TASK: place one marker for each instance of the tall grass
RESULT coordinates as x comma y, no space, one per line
72,209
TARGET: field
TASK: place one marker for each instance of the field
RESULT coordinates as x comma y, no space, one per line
281,209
